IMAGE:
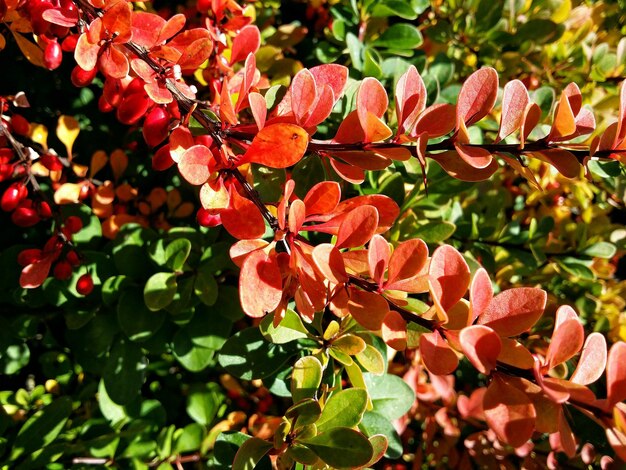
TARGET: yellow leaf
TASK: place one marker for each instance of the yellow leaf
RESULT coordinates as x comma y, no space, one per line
39,134
98,160
119,162
31,51
68,193
67,131
562,12
79,170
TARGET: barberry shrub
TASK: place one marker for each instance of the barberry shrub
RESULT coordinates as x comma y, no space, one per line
314,236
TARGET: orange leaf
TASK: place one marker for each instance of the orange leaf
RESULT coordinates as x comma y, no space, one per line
296,216
515,101
449,276
68,193
378,254
566,341
394,331
329,261
242,248
592,360
118,161
474,156
31,51
194,164
322,198
358,227
482,346
260,284
509,413
371,105
407,260
367,308
481,293
513,353
564,123
242,219
616,374
514,311
456,167
436,120
278,146
477,96
333,75
531,119
437,355
565,162
98,161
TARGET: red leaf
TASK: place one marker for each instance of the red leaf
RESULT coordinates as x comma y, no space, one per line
436,120
371,105
260,284
172,26
322,198
35,274
321,108
592,360
180,140
247,41
456,167
449,277
616,374
278,146
367,308
477,96
303,95
62,17
437,355
242,248
116,22
509,413
146,28
531,119
242,219
407,260
566,341
620,134
350,130
410,99
515,101
394,331
86,53
565,162
349,173
482,346
333,75
378,254
330,263
474,156
194,164
358,227
113,62
481,293
514,311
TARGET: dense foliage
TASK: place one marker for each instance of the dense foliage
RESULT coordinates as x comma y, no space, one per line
322,234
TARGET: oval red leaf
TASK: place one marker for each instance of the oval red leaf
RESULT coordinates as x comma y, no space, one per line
194,164
437,355
482,346
477,96
358,227
260,284
592,360
514,311
278,146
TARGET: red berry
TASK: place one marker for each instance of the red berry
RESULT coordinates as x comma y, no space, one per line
104,106
112,91
44,210
84,285
74,224
51,162
162,159
52,55
20,125
72,258
156,126
133,108
25,217
13,195
29,256
207,219
62,271
81,77
69,43
135,86
203,5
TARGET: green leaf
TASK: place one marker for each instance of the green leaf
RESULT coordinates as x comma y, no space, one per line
391,396
341,447
176,253
301,453
205,287
135,319
372,360
605,169
268,181
160,290
400,36
306,411
399,8
203,402
42,428
355,48
374,423
208,329
226,446
250,452
192,357
306,378
112,289
343,409
600,250
435,232
540,31
576,267
289,329
188,439
248,355
124,372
